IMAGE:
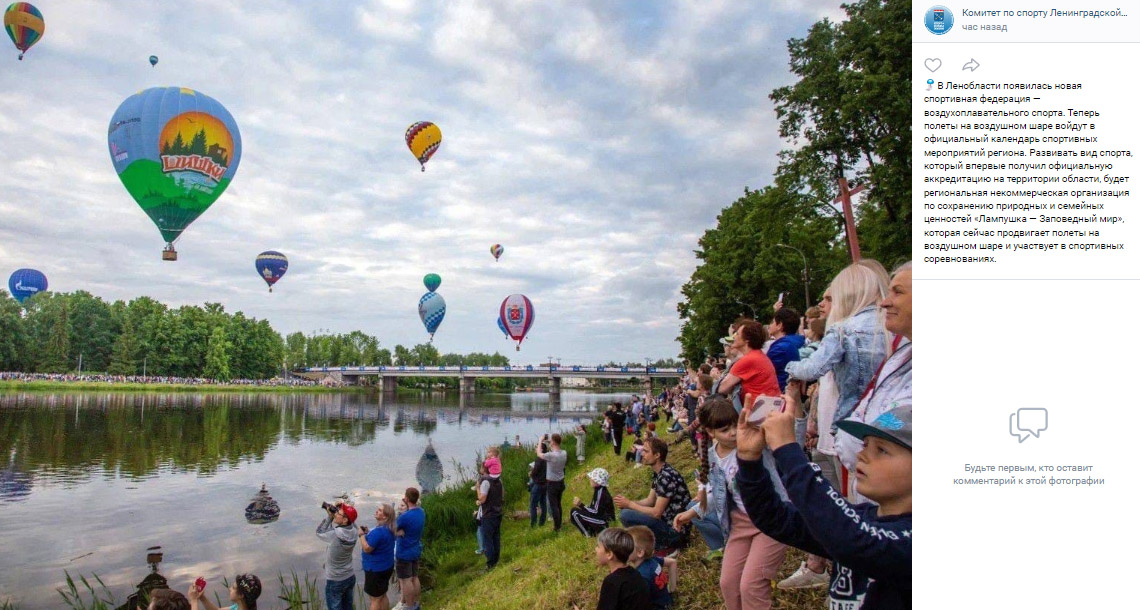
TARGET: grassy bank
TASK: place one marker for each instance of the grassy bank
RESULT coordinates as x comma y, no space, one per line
95,386
543,570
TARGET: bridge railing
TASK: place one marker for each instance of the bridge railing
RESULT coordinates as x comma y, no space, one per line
633,370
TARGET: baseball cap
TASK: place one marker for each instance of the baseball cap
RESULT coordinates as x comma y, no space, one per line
894,426
349,512
599,476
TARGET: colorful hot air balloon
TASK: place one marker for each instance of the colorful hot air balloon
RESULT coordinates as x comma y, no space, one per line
176,151
271,266
25,25
517,315
153,60
497,251
502,329
432,281
23,283
432,309
423,140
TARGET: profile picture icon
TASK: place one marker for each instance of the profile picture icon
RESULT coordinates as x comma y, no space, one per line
939,19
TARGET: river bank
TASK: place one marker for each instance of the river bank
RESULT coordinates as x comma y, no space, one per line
103,386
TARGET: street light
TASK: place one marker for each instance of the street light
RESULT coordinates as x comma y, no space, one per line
807,291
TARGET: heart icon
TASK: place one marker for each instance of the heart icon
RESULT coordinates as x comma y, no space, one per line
933,64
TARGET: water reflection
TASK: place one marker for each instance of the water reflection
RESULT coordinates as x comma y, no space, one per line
262,508
429,470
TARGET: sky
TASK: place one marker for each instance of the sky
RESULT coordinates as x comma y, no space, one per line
596,141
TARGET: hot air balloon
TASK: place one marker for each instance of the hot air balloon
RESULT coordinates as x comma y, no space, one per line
153,60
497,251
432,309
423,140
271,266
23,283
432,281
502,329
517,315
176,151
25,25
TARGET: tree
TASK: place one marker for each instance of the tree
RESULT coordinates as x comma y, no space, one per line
12,335
295,351
55,356
217,356
123,356
384,357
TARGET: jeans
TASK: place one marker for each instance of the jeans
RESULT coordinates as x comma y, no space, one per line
537,500
490,528
709,527
664,533
338,593
554,491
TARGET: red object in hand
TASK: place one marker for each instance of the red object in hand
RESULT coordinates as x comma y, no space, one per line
200,584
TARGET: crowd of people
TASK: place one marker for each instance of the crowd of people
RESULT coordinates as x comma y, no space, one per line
803,431
153,379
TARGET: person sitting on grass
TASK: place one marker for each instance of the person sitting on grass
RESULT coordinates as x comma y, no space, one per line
378,549
870,543
634,453
668,497
660,574
592,519
244,592
623,588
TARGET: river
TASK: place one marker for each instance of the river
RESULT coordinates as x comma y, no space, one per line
90,480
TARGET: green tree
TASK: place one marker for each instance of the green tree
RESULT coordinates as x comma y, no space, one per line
55,357
384,357
217,356
295,351
12,335
124,354
198,143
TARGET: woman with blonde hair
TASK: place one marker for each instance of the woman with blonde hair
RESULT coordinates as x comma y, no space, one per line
378,554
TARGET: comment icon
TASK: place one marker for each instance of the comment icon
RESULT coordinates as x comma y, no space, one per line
1028,421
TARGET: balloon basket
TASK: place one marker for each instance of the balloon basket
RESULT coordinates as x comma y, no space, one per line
271,289
169,255
518,348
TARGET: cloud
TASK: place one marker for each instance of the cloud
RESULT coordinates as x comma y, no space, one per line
594,140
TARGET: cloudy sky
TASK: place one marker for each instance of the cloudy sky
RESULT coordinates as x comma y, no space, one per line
594,140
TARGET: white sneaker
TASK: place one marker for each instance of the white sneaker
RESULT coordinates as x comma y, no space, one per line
804,578
400,606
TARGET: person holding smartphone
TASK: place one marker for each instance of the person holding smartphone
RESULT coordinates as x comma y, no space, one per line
753,371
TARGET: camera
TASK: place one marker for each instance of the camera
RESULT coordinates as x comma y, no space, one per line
331,508
364,529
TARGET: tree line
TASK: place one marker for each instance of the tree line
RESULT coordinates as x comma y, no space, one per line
847,116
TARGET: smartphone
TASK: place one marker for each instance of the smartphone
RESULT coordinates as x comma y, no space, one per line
764,406
200,584
780,299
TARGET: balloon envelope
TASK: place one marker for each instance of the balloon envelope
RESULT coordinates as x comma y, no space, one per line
271,265
432,281
496,251
432,309
423,140
153,59
175,150
24,24
23,283
517,315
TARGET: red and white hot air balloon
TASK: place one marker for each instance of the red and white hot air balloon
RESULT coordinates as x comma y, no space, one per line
517,315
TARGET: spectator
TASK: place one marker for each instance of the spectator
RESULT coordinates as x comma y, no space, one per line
668,497
555,477
617,425
593,518
377,554
634,454
491,501
478,514
870,544
660,574
409,548
337,533
812,336
244,592
580,436
537,487
753,371
165,599
786,344
855,342
623,587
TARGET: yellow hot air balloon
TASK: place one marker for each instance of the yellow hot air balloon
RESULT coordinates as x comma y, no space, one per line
423,140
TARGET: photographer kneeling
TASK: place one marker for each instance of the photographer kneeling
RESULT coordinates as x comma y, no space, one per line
336,530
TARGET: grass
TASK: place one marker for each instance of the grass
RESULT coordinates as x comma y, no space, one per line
543,570
166,387
73,595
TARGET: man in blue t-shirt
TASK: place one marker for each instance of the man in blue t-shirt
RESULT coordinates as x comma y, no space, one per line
785,328
409,531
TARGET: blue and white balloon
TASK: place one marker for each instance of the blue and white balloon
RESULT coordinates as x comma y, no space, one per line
432,310
23,283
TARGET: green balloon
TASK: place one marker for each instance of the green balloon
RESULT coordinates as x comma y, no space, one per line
432,281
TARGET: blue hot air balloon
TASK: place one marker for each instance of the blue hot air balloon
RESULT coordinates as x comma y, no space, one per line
432,309
502,328
26,282
153,60
271,266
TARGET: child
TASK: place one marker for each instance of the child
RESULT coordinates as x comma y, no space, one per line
814,334
492,463
623,588
659,574
244,592
634,454
592,519
870,544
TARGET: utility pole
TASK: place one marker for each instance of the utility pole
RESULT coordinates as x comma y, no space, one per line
144,366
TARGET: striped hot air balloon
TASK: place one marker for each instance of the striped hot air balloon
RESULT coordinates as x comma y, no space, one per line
24,24
423,140
517,315
497,251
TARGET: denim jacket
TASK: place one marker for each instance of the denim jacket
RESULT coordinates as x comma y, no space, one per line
853,349
717,499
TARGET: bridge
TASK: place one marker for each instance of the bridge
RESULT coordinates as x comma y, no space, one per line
467,375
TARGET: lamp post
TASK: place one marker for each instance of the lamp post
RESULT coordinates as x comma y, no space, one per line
807,291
